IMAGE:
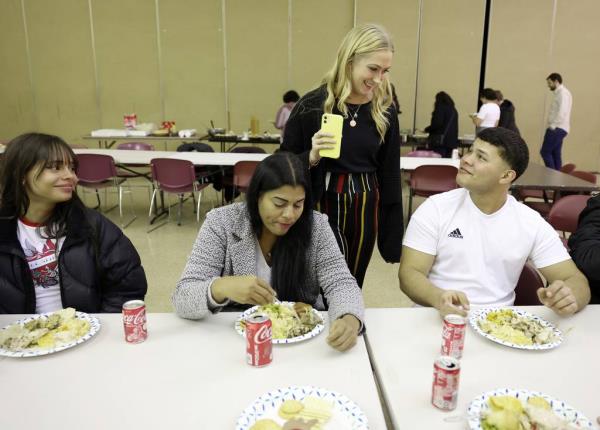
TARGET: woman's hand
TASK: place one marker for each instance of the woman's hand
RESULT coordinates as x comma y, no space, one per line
246,289
343,332
320,140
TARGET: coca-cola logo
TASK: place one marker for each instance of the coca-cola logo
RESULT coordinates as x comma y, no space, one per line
262,335
135,318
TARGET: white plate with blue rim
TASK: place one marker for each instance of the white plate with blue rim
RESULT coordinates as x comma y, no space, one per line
345,413
38,351
479,405
241,329
481,314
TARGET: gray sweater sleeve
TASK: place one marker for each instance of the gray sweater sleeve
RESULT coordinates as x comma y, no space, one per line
339,286
205,264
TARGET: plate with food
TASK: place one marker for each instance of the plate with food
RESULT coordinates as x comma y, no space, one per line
302,408
291,321
515,328
47,333
506,409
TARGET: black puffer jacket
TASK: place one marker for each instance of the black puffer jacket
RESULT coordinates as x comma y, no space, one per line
87,283
585,246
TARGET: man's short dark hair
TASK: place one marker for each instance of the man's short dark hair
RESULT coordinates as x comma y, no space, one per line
291,96
555,77
511,146
488,94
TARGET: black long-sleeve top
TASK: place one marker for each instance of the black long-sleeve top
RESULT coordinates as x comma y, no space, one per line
305,121
444,121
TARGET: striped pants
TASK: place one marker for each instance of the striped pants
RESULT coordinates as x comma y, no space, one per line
350,201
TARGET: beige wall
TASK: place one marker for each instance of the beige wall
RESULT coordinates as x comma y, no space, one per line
70,66
524,50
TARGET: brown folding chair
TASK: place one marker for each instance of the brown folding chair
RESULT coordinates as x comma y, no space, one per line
428,180
586,176
526,290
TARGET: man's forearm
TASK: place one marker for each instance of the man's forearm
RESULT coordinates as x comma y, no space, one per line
580,288
418,288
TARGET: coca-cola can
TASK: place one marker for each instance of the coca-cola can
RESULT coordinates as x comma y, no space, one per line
134,321
259,344
444,390
453,335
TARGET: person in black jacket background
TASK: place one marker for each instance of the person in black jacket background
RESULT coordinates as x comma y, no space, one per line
507,113
585,246
55,252
443,130
361,190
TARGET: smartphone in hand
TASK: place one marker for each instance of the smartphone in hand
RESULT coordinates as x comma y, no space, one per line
332,124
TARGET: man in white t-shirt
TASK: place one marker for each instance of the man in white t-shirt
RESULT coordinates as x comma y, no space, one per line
469,245
489,112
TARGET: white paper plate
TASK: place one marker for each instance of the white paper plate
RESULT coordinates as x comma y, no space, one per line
314,332
481,314
480,404
36,351
345,414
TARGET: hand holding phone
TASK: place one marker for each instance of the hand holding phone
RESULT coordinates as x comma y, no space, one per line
332,125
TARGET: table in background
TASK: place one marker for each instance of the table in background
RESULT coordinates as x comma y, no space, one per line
127,156
188,374
403,344
416,140
541,177
235,140
109,141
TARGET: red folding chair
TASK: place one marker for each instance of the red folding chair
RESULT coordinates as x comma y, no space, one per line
175,177
564,214
427,180
98,171
242,175
526,290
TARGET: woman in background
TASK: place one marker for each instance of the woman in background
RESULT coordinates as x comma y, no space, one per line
489,112
443,130
361,190
290,98
55,252
274,245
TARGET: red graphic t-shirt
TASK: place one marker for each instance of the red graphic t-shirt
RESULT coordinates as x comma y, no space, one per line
42,257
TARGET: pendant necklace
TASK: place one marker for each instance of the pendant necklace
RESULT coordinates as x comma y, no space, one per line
354,116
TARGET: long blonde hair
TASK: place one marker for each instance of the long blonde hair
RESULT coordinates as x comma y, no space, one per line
361,40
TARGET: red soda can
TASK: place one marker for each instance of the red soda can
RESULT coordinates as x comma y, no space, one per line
446,374
453,335
259,344
134,321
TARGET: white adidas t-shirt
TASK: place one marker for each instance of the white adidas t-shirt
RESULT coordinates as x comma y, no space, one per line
42,257
489,113
481,255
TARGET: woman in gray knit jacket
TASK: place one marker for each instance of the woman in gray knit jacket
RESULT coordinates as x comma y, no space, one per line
274,245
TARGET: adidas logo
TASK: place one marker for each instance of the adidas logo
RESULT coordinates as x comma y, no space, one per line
456,234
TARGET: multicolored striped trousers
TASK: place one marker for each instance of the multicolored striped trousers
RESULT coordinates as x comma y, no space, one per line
350,201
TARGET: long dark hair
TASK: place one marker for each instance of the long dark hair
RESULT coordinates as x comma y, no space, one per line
289,266
24,153
443,98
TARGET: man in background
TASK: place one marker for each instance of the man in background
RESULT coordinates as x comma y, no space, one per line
558,122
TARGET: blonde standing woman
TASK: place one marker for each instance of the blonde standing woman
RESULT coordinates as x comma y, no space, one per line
360,191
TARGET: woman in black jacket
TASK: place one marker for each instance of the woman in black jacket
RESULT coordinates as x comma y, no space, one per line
55,252
443,130
361,190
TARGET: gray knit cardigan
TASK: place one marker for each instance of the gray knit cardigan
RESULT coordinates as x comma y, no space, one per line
226,246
